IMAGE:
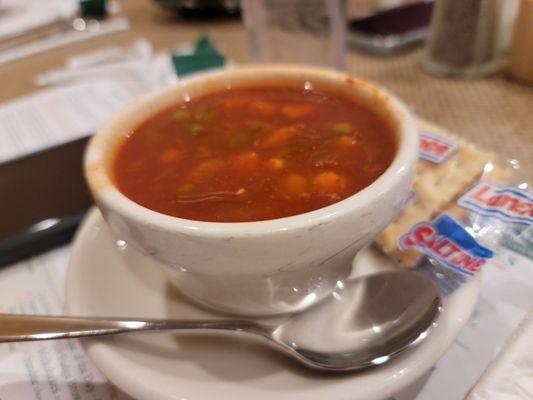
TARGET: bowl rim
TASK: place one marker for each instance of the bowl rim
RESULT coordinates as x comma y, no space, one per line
110,197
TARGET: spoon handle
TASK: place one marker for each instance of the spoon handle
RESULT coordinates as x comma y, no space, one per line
18,328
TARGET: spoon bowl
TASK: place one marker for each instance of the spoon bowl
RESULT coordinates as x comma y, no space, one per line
365,322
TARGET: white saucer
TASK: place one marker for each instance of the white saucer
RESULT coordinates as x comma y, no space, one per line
104,280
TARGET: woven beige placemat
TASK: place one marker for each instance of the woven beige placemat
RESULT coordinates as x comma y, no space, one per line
494,113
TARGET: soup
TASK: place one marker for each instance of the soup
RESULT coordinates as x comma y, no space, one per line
253,154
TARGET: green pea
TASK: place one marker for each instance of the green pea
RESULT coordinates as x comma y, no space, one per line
186,188
240,138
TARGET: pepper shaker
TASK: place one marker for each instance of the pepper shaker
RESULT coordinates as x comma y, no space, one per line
463,40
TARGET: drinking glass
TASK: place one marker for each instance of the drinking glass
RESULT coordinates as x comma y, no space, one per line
297,31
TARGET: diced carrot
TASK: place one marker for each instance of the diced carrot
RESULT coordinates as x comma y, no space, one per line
298,110
346,143
341,127
236,101
279,137
329,182
293,185
181,115
203,151
152,137
209,165
205,115
263,108
246,161
169,156
205,170
276,164
135,166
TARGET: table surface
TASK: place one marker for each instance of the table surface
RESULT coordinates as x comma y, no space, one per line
493,112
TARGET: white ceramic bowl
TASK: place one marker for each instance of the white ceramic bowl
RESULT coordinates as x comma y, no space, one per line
265,267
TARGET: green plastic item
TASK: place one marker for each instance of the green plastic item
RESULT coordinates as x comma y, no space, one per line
204,45
93,8
205,56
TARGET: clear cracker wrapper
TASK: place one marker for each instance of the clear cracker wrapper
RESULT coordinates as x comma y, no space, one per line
449,243
465,205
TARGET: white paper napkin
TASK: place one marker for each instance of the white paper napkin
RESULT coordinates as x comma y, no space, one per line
18,16
510,375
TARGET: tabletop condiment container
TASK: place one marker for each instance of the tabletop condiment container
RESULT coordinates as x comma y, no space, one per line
463,39
521,56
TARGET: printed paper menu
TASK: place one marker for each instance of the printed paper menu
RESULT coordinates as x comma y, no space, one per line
57,115
57,369
60,370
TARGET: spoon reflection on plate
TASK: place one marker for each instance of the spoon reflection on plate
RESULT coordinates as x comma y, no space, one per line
366,321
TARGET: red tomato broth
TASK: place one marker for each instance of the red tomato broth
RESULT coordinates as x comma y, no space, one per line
253,154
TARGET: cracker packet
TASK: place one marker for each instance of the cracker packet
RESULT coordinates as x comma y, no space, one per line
464,206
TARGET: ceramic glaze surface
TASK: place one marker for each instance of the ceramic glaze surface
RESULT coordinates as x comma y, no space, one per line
109,280
266,267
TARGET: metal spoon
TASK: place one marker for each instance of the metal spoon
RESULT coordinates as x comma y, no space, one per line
365,322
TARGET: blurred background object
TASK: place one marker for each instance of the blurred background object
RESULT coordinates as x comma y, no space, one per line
23,19
364,8
93,8
28,27
507,18
278,31
465,38
201,8
521,55
377,27
205,56
391,31
72,88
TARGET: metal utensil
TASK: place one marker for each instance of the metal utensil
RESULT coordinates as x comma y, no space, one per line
56,27
366,321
